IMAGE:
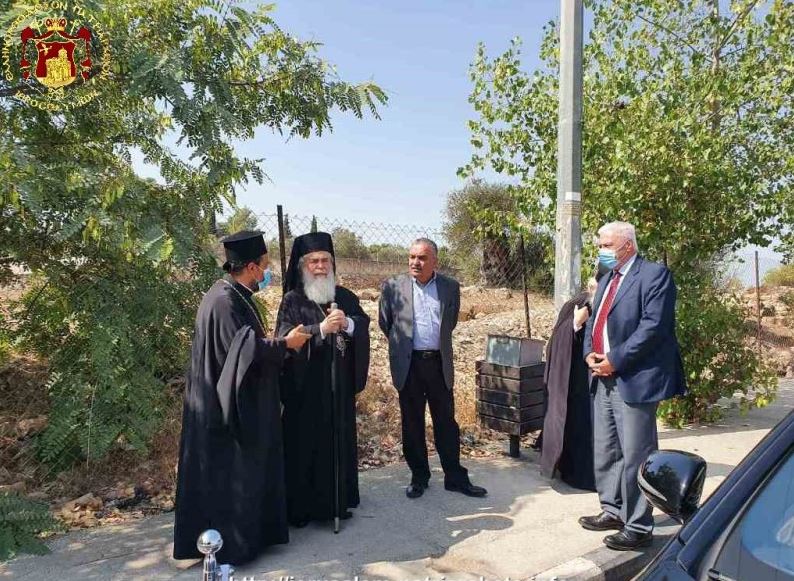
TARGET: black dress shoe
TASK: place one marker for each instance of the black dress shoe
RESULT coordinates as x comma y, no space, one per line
346,515
468,489
415,490
299,523
627,540
601,522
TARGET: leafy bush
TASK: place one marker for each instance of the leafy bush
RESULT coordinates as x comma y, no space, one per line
482,229
719,362
112,343
781,276
21,521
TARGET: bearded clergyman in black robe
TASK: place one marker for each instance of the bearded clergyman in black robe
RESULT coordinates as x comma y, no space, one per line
231,463
567,448
309,416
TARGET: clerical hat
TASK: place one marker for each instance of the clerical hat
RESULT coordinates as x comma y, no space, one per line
301,246
242,247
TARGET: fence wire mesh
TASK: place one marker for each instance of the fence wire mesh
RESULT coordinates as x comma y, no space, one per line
369,252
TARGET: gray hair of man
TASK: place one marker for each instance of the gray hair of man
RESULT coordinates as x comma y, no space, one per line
426,241
302,259
623,229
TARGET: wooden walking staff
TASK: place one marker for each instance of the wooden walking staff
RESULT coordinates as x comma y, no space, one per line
335,422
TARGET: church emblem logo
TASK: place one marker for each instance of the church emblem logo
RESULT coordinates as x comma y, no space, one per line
58,54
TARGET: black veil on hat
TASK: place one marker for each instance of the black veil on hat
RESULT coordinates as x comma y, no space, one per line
301,246
242,247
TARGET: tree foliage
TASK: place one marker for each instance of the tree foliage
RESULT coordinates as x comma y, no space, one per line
348,244
243,218
120,261
687,131
482,227
21,522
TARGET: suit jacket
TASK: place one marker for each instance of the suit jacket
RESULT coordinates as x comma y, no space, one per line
396,320
641,329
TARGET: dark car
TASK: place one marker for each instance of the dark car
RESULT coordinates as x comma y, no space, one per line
744,531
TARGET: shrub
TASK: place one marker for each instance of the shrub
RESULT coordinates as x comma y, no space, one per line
719,361
21,522
781,276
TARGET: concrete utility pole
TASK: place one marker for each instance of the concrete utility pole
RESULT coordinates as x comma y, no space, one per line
568,247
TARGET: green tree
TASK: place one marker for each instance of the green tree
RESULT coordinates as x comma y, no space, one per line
348,244
288,235
119,261
482,228
313,228
388,253
687,134
243,218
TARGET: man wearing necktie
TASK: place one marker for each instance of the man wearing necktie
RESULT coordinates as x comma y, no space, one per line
634,360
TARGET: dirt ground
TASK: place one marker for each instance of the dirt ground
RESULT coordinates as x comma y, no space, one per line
127,485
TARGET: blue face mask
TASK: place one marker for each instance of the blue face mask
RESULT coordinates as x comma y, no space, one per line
608,258
265,282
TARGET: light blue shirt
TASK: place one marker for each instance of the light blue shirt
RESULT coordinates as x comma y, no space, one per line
427,315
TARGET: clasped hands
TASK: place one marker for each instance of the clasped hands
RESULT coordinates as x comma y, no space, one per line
599,365
335,322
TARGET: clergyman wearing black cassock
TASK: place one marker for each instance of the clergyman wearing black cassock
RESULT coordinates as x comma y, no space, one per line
306,390
567,448
231,467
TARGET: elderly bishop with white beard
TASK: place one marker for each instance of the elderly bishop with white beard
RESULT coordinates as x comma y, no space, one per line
309,418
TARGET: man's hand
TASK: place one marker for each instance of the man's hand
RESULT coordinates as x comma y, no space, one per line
592,359
335,321
580,316
599,365
297,337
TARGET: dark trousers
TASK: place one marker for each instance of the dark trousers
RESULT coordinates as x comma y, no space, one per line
425,384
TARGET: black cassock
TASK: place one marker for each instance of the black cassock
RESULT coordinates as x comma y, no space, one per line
308,414
231,466
568,425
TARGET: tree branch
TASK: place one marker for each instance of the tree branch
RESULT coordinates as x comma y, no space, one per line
671,32
732,28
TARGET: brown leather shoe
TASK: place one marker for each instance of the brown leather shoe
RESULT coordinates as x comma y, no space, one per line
627,540
601,522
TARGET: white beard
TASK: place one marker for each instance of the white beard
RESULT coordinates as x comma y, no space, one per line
320,289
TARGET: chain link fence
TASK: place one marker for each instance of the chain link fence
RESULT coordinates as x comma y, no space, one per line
367,253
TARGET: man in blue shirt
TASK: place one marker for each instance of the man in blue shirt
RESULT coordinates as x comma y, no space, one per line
418,312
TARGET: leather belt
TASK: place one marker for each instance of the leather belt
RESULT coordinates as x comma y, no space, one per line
426,354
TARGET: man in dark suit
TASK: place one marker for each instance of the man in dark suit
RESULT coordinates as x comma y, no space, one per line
418,312
634,360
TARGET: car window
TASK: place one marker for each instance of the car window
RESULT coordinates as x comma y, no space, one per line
761,545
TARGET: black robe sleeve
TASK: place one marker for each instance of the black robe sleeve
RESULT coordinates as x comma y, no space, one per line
360,339
290,315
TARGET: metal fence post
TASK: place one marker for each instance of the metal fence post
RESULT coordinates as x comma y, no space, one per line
524,281
281,248
758,302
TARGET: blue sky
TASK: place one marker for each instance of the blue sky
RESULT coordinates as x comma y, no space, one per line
400,168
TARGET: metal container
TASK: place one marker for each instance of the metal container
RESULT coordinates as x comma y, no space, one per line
513,351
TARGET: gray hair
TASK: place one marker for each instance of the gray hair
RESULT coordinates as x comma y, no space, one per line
433,246
302,259
623,229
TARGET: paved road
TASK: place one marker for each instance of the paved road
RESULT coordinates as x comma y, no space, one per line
525,526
